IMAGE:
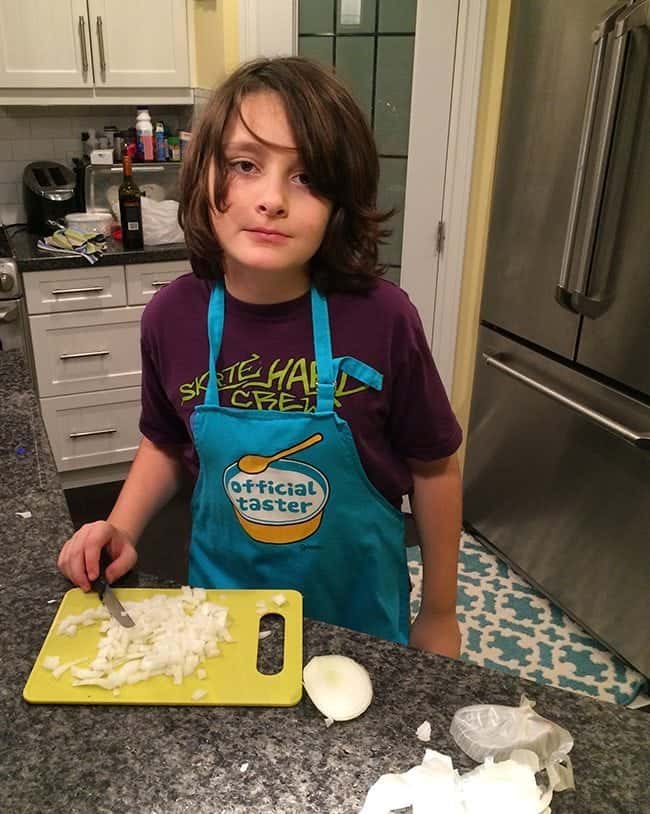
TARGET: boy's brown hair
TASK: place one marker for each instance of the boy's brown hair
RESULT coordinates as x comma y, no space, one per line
339,155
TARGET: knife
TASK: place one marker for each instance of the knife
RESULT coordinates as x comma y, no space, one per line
107,595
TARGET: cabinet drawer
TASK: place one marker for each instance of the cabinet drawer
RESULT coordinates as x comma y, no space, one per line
86,351
144,279
93,429
74,289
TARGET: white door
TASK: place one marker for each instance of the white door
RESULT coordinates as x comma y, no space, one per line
44,44
431,94
139,43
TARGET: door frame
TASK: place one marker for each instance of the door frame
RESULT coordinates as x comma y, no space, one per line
432,279
468,66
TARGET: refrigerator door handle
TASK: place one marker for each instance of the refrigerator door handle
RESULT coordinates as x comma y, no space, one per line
599,38
639,440
634,16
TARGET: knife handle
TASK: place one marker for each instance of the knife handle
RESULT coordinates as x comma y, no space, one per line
100,584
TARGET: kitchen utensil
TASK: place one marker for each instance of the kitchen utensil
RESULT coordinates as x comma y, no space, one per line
107,595
233,677
255,464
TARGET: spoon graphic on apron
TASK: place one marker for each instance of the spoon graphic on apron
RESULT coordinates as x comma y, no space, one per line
255,464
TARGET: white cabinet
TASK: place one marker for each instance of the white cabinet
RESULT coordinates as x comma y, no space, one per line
85,331
93,429
61,290
84,351
144,279
139,44
93,44
44,44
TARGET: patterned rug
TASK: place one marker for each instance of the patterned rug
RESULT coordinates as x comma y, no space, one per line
507,625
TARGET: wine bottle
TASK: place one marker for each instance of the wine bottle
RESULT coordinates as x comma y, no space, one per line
130,208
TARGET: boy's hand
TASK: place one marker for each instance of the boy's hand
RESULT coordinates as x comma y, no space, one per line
437,633
79,557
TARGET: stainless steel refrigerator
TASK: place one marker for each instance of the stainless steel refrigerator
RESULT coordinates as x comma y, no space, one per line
557,473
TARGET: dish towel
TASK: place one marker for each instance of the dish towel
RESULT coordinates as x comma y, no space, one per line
89,245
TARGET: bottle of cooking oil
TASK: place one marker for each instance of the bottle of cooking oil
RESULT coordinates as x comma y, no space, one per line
130,208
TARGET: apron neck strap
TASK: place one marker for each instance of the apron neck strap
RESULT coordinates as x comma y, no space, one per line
325,368
326,375
216,311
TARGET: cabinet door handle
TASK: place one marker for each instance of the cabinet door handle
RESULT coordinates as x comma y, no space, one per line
102,53
85,355
95,290
84,50
640,440
107,431
159,283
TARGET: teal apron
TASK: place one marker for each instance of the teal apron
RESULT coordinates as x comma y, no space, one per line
309,519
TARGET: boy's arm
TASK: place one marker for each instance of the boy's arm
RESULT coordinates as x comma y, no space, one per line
154,478
436,503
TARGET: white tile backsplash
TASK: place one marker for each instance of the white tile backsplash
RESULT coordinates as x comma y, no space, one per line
11,171
41,133
33,149
51,127
8,193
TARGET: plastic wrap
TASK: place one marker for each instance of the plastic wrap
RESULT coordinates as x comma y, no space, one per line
160,222
490,731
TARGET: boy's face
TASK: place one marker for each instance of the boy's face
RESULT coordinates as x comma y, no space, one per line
273,221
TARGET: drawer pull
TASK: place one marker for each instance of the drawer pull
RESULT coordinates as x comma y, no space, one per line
93,290
160,283
85,355
108,431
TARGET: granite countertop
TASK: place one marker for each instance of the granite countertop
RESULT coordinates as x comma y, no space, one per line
29,258
187,760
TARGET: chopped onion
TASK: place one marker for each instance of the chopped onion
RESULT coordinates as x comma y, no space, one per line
279,600
51,662
339,687
172,636
197,695
424,731
59,671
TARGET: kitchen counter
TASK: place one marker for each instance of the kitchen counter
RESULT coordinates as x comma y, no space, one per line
30,258
178,760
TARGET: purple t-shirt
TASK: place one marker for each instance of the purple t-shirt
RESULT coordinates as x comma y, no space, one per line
267,362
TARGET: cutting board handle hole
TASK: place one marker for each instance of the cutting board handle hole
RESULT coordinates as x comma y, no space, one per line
270,648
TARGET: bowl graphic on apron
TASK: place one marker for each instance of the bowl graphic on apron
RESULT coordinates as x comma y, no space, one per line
282,504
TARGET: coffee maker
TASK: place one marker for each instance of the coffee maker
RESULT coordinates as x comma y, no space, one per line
49,193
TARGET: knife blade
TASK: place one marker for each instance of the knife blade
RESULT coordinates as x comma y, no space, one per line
107,595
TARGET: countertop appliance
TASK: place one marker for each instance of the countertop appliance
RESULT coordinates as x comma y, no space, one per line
557,474
159,181
14,330
49,193
12,308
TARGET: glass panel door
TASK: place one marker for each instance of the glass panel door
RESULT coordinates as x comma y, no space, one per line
370,45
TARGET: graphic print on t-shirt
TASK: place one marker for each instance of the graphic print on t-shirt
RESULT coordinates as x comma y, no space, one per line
279,384
277,499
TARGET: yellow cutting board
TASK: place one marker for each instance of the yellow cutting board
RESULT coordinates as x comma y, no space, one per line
232,676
